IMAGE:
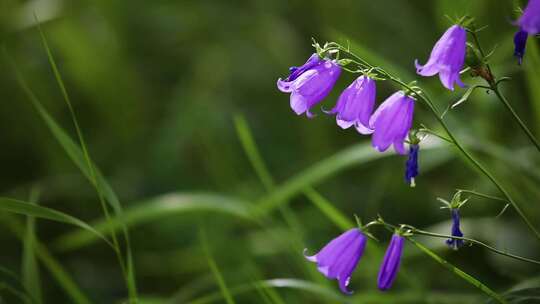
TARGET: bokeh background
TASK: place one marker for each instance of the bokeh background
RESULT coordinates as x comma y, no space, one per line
175,98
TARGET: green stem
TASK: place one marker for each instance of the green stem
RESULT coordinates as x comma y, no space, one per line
513,256
494,86
467,277
516,117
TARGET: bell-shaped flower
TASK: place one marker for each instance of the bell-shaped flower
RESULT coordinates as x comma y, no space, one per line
411,167
520,41
310,83
355,105
338,259
447,58
392,121
530,20
390,265
529,24
456,231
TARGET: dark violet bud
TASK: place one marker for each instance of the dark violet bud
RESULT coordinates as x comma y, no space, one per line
391,122
455,243
310,83
520,40
530,20
355,105
447,58
338,259
411,167
390,265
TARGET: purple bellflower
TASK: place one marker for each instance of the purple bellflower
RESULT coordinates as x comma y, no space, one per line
529,24
338,259
447,58
310,83
355,105
391,122
390,265
520,41
455,243
411,167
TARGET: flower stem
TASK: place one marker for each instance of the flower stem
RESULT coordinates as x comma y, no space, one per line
513,256
516,117
494,86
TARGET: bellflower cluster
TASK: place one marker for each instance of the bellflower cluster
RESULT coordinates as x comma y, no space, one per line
529,24
389,124
339,258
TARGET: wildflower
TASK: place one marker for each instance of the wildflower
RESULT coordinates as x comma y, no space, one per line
390,265
447,57
520,40
411,167
310,83
455,243
392,121
529,24
355,105
338,259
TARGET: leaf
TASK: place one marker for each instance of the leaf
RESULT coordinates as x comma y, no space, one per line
465,96
522,296
29,209
157,208
54,267
30,270
215,269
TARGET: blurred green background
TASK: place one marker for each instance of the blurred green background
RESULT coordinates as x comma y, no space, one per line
162,90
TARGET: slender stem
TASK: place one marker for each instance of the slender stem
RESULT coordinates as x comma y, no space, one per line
513,256
516,117
422,95
494,86
480,167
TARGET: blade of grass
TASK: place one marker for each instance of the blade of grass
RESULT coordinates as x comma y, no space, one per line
157,208
127,269
354,155
54,267
30,270
214,268
29,209
328,209
251,150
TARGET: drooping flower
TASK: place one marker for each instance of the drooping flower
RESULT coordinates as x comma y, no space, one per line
530,20
447,58
310,83
456,231
392,259
520,41
529,24
355,105
411,167
338,259
392,121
